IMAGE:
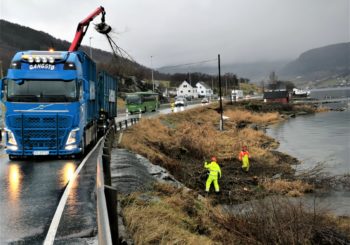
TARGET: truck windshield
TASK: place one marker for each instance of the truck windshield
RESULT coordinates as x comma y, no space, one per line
136,100
42,91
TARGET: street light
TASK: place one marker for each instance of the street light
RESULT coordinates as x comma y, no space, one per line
152,73
90,47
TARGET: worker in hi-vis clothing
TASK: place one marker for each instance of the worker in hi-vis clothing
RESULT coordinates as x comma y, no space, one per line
244,157
214,174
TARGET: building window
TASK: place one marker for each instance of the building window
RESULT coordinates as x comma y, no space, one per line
181,91
185,86
189,91
202,92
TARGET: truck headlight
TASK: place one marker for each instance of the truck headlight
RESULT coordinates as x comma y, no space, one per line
72,137
10,137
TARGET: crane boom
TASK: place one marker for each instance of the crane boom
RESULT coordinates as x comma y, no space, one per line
84,25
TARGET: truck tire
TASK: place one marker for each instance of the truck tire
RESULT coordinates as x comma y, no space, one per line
83,146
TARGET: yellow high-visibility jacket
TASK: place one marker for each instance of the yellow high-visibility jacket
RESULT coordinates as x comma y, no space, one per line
214,169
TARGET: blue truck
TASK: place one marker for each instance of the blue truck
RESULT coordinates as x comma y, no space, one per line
56,103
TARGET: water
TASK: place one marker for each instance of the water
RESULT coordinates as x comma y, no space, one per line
320,138
326,93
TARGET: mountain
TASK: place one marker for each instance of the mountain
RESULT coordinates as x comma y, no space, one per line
255,71
320,64
328,62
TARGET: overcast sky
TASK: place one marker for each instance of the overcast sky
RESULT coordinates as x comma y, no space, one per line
184,31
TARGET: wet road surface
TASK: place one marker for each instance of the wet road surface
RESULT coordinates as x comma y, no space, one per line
29,193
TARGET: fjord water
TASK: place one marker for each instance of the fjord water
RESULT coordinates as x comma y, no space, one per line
321,138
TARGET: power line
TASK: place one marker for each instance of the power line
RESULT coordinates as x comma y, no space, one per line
188,64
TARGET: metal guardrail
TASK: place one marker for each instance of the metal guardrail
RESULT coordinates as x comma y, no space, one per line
107,222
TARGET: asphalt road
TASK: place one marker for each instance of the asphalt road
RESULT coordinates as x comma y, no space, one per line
30,191
29,194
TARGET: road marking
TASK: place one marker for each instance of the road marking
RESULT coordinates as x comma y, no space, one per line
51,234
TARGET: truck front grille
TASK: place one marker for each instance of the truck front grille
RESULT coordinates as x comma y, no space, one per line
38,132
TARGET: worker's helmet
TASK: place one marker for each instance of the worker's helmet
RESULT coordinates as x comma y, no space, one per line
213,159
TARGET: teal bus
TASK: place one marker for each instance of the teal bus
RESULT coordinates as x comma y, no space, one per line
142,102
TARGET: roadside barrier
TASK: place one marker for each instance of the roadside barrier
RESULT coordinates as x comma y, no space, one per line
107,221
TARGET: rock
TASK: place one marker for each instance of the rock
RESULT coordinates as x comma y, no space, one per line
254,126
277,176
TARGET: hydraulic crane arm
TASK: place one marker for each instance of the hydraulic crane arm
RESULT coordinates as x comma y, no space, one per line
84,25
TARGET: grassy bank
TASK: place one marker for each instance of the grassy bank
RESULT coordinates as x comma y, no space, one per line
181,142
177,216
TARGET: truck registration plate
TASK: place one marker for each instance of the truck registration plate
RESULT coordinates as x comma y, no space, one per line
40,153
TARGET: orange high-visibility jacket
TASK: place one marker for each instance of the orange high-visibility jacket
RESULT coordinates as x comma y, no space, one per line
242,154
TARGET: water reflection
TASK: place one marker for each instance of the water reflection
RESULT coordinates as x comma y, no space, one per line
67,173
14,180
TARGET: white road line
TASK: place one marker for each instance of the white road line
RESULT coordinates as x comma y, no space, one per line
50,237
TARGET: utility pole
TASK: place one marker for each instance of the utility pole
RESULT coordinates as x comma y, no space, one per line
152,73
90,47
1,71
220,96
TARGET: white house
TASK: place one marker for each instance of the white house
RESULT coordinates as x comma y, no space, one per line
186,90
204,90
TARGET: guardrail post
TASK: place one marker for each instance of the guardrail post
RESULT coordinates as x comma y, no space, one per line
106,160
111,201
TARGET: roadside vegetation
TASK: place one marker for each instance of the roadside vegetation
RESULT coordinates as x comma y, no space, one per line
169,215
182,142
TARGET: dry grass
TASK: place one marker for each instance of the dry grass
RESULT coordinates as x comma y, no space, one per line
195,132
247,116
290,188
177,216
181,142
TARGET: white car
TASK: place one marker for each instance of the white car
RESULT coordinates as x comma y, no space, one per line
205,101
180,102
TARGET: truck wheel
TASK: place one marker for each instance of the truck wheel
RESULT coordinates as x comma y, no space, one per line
83,147
145,109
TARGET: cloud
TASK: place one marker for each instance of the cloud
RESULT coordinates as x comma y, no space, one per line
182,31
